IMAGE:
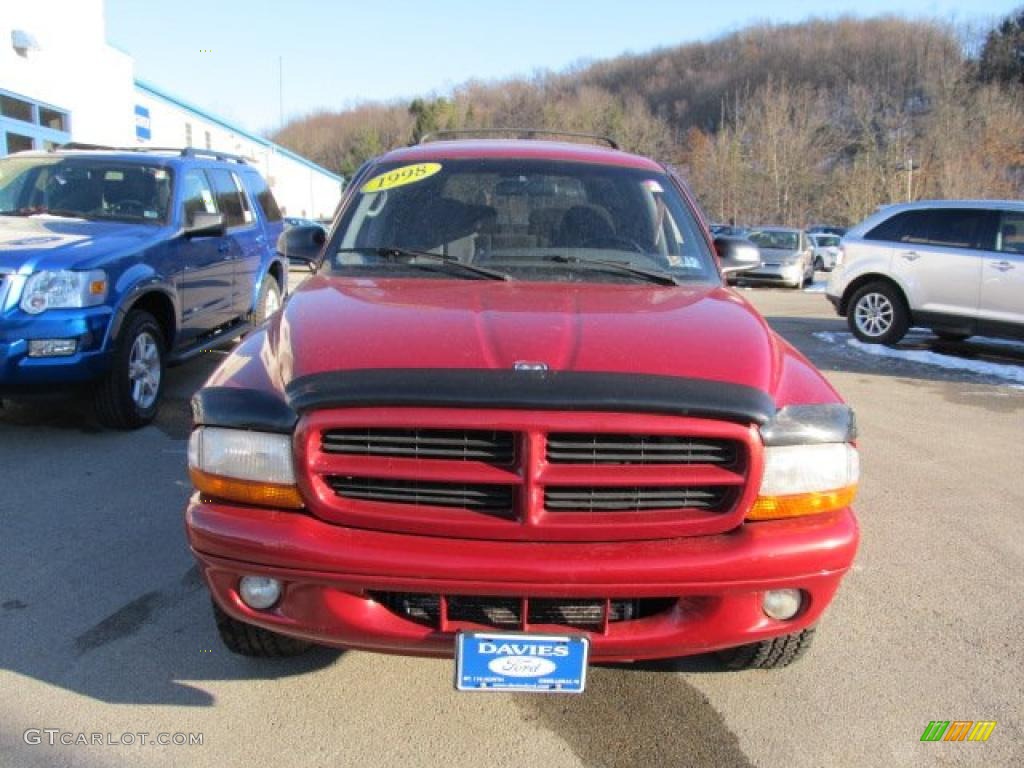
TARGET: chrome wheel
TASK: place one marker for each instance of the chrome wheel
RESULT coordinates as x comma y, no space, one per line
272,304
144,370
874,314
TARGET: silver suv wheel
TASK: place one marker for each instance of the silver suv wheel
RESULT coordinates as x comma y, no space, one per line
877,314
873,314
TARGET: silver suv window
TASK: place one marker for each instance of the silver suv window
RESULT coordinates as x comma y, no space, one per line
971,228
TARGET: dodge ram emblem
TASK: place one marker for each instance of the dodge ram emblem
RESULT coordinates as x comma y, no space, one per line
529,365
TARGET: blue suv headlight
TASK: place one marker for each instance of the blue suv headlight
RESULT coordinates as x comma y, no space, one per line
63,289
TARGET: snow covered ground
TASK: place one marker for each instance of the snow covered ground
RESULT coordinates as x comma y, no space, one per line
1008,372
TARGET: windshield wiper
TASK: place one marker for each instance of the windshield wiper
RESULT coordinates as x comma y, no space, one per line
652,275
390,253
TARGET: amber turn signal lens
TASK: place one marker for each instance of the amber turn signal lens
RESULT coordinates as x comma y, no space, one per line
800,504
246,491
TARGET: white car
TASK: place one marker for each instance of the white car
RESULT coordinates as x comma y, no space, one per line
825,251
954,266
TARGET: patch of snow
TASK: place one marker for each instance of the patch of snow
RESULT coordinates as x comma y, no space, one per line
816,287
1004,371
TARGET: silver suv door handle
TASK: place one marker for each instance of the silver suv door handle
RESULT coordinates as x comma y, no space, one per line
911,255
1002,266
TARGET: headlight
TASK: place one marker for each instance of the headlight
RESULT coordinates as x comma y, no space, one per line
810,463
248,467
63,289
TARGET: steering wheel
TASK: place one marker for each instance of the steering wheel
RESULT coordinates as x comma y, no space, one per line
128,207
610,241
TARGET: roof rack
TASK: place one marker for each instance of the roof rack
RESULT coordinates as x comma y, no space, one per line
217,155
183,152
521,133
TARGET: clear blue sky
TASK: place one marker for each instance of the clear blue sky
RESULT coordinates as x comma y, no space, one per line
338,52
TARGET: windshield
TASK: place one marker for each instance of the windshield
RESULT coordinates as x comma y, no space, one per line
533,220
824,241
780,240
85,188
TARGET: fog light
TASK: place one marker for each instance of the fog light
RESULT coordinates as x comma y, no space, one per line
782,604
52,347
259,592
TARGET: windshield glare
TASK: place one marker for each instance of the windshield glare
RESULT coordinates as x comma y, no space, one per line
517,215
85,188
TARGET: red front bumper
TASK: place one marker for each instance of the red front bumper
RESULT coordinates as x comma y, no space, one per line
328,571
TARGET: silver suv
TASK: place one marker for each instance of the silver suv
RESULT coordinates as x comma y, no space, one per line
954,266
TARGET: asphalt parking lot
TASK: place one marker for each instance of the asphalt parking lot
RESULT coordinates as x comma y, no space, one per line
104,626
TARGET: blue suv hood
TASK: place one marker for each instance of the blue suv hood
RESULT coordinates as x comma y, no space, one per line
39,242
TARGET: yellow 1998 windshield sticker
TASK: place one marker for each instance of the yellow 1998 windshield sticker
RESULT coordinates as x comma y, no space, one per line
399,177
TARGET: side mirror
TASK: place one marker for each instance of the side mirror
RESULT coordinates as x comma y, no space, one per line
206,225
302,243
737,254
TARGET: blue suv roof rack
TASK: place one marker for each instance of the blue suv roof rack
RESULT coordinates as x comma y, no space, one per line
195,152
184,152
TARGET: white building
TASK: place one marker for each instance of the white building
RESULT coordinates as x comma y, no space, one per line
61,81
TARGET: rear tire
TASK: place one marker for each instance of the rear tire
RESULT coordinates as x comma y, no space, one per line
247,640
877,314
128,396
768,654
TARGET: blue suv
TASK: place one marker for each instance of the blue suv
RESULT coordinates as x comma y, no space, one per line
116,263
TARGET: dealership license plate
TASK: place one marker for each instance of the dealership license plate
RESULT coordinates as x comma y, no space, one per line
486,661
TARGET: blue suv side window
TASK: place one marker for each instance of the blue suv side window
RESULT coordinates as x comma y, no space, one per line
229,199
259,188
198,196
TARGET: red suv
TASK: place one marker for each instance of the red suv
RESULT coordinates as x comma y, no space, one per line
517,399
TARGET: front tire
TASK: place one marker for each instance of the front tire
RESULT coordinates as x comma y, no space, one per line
269,300
877,314
768,654
128,396
247,640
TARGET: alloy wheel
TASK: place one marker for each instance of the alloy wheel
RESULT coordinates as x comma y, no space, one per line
874,314
144,370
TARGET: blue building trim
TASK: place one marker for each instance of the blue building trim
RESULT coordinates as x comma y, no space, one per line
152,90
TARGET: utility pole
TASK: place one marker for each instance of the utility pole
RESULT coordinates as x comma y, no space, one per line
910,178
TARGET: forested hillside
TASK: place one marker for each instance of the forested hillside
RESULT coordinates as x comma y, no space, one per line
795,124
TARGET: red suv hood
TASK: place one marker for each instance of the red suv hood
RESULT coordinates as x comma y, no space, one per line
699,331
